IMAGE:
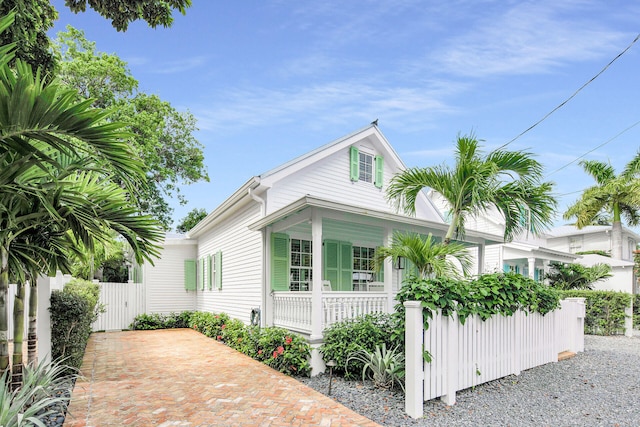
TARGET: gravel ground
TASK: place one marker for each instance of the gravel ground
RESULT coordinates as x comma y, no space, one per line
600,387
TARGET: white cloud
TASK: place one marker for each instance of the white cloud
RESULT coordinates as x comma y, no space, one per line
179,66
527,38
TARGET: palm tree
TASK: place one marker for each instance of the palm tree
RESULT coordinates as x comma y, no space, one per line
429,257
619,195
52,156
576,276
509,181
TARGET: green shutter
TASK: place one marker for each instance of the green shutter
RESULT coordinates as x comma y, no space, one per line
379,171
209,272
410,270
190,274
218,262
201,274
355,164
279,262
380,275
346,267
338,264
506,268
331,262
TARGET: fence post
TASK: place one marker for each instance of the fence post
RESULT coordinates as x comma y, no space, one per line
578,309
517,342
414,363
451,382
628,320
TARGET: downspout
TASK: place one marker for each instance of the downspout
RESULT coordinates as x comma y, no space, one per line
263,303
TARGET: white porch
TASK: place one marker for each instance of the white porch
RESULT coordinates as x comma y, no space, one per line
293,310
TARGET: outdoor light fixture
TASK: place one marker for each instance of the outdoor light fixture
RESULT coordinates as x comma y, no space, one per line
400,263
330,364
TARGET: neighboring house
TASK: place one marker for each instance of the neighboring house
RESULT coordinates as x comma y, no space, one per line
530,255
297,243
571,239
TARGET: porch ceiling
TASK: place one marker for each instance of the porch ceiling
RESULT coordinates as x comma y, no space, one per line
314,202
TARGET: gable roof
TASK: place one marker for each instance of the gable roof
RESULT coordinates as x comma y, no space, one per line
256,185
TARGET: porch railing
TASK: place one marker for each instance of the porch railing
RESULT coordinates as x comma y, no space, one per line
292,310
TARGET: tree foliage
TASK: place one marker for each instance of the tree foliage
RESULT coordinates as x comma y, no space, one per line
123,12
35,17
193,217
509,181
576,276
159,134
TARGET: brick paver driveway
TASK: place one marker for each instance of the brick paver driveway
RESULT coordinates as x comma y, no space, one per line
179,377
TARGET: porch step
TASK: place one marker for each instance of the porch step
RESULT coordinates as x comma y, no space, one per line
565,355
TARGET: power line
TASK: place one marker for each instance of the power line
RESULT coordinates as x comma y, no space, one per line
574,93
594,149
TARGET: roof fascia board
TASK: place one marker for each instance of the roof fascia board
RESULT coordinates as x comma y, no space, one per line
225,208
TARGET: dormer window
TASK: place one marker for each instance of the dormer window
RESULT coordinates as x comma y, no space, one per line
366,167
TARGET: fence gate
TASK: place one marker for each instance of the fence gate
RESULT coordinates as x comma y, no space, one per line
123,302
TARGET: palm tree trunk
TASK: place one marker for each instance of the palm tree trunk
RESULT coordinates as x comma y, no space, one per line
32,336
4,310
18,338
616,233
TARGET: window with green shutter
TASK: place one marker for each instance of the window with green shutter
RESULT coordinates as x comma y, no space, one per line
201,280
379,180
190,274
218,269
279,262
354,154
338,265
210,272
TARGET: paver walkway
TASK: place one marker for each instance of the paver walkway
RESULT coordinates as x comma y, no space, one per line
179,377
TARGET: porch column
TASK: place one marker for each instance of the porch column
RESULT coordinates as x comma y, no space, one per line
545,268
316,268
532,267
481,255
388,270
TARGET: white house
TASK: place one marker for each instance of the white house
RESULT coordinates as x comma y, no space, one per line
592,238
297,243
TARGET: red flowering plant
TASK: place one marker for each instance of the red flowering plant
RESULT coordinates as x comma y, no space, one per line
283,351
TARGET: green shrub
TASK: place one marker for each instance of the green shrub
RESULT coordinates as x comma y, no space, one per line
636,311
162,321
73,310
347,337
604,311
283,351
488,295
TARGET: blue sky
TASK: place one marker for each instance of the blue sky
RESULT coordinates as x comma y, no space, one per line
271,80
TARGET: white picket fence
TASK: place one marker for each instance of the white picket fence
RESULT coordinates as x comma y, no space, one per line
466,355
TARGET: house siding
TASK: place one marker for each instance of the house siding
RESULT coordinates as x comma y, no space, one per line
242,268
492,259
165,292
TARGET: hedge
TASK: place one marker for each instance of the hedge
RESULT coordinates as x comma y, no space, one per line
604,310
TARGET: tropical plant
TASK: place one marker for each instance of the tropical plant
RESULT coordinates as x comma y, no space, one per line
341,339
618,194
576,276
430,257
53,156
39,396
384,367
509,181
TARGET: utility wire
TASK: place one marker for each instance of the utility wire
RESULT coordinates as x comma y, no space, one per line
574,93
594,149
